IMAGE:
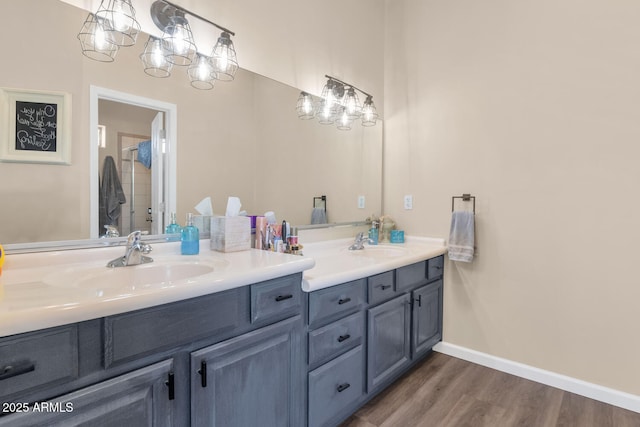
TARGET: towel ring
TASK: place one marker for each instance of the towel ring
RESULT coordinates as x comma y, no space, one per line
465,198
320,202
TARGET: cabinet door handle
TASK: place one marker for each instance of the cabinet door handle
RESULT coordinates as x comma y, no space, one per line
383,287
283,297
343,337
170,383
18,368
203,373
343,387
343,300
419,299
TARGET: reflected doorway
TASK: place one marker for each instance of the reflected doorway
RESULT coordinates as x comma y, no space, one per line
138,135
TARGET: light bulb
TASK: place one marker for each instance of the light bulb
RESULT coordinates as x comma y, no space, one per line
157,56
204,69
100,38
180,46
307,105
119,17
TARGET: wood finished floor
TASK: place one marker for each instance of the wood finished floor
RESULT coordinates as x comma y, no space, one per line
443,391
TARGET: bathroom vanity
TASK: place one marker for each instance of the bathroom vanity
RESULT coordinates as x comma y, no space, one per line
247,341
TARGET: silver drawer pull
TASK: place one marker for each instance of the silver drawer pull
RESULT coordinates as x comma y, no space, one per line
18,368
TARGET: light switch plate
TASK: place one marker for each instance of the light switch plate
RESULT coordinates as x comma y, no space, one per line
408,201
360,202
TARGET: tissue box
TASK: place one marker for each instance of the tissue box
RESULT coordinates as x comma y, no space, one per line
230,233
203,222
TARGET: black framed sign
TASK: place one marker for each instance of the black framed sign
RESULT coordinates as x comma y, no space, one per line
35,126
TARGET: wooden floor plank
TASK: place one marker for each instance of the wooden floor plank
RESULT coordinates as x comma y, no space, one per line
443,391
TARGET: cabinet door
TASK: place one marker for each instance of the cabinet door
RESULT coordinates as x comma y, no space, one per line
139,398
427,317
255,379
388,339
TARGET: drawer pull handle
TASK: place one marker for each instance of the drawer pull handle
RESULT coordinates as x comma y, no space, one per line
343,387
343,337
203,373
419,299
283,297
437,267
343,300
18,368
383,287
170,383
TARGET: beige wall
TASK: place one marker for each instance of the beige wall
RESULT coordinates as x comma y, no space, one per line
533,108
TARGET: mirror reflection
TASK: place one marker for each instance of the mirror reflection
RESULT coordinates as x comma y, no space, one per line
242,138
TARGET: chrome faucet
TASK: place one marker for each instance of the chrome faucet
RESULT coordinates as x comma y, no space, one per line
358,244
134,252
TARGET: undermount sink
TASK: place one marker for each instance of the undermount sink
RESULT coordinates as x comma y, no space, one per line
132,277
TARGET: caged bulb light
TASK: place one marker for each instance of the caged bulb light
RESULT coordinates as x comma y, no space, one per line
155,64
305,107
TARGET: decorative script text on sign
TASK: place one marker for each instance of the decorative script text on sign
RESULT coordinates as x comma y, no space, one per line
36,126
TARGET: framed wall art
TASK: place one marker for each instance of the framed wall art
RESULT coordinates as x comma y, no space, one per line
35,126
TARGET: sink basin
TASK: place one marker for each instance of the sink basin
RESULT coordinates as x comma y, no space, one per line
132,277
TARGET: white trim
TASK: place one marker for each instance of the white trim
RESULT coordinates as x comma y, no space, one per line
171,118
563,382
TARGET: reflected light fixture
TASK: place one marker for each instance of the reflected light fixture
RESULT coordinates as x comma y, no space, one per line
305,107
201,73
339,104
153,59
225,62
114,25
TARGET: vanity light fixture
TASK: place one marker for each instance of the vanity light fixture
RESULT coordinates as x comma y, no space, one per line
94,42
120,23
338,104
114,25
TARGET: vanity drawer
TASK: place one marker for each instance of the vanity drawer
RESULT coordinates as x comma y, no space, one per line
336,301
335,338
381,287
43,358
276,299
410,276
129,336
334,386
435,267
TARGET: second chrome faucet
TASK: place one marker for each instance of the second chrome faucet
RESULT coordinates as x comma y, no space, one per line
134,254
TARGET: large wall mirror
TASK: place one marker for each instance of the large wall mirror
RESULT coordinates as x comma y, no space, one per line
241,138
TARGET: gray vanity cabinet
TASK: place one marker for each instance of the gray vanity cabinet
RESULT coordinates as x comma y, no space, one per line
139,398
389,346
426,317
251,380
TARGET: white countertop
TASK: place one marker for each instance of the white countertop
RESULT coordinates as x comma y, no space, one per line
35,292
47,289
336,264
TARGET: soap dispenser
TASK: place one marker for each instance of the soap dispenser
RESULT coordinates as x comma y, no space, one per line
173,228
190,238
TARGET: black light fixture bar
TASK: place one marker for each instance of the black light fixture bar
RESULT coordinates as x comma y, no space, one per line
186,11
346,84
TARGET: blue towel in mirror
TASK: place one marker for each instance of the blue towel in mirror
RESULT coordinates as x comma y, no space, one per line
144,153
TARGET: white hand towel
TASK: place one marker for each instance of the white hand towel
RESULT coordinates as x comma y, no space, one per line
461,236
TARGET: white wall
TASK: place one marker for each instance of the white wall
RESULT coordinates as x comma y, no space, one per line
533,108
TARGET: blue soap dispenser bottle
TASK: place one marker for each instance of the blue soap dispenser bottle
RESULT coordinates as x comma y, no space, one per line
173,229
190,238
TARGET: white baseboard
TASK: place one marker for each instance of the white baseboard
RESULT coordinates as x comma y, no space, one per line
563,382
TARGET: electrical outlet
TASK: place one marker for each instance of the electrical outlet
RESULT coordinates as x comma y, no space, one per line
408,201
360,202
